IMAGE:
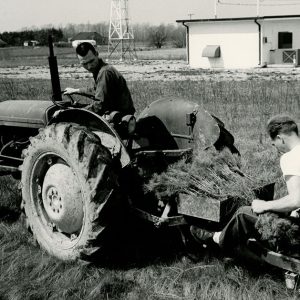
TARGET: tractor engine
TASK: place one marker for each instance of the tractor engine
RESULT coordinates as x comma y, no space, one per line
19,120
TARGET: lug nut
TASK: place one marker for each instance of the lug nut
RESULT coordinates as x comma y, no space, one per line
73,236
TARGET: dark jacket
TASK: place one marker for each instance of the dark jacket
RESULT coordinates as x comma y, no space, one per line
110,91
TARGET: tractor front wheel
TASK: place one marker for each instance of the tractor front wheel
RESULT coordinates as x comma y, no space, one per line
69,191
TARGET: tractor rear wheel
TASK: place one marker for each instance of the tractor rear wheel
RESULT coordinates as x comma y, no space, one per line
69,191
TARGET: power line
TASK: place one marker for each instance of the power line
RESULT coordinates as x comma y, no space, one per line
261,4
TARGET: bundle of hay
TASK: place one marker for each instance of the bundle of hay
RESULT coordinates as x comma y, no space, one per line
281,234
209,173
218,175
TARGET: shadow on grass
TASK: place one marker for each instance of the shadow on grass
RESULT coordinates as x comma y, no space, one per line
132,243
144,245
139,244
8,215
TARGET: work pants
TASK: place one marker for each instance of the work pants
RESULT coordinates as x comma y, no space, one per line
238,230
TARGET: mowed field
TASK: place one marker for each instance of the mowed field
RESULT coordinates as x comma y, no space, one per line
148,263
28,56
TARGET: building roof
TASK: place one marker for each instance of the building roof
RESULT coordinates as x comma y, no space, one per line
88,36
238,19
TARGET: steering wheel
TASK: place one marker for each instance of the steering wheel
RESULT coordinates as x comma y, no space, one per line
62,104
71,98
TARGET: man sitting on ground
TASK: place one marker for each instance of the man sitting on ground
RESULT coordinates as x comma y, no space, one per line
110,90
284,136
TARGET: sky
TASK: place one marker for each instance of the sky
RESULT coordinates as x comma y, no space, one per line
20,14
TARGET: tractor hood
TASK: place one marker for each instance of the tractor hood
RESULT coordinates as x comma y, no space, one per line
188,124
26,113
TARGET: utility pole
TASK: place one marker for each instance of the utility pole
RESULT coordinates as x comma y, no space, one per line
257,8
121,37
215,8
190,15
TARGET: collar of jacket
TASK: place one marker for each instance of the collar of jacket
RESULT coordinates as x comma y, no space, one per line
100,65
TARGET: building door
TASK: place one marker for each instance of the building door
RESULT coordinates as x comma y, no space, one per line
285,41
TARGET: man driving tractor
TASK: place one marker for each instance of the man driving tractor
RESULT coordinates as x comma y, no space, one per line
110,91
284,136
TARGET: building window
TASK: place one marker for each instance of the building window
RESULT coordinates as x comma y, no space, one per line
285,40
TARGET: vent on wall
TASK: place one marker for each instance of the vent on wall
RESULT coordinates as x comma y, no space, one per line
211,51
288,56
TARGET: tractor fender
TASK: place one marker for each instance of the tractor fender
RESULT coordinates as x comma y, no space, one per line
108,136
187,123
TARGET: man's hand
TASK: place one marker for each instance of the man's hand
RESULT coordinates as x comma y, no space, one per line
259,206
70,91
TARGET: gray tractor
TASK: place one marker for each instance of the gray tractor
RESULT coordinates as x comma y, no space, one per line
80,171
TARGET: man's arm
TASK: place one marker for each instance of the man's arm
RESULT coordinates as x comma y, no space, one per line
102,86
89,91
103,82
284,204
70,91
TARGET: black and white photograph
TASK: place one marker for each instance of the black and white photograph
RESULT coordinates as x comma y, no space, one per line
149,150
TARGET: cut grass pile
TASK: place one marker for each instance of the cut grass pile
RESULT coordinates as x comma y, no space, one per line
281,233
212,174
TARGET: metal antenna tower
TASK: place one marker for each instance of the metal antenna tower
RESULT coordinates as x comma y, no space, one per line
121,37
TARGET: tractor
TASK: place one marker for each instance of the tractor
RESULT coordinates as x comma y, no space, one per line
80,171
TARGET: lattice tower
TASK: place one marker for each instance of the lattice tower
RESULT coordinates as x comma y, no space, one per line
121,37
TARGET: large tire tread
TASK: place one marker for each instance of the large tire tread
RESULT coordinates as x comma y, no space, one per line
94,162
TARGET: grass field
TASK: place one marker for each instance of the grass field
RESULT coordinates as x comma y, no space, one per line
149,263
19,56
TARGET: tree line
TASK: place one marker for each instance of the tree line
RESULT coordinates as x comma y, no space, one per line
17,38
150,35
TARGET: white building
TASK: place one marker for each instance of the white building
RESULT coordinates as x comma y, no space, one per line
30,43
77,42
243,42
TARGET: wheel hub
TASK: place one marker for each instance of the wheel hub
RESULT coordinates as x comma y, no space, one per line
62,198
54,200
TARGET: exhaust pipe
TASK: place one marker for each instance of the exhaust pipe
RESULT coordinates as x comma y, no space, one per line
56,90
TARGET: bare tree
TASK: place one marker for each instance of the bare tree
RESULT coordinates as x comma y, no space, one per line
158,36
178,36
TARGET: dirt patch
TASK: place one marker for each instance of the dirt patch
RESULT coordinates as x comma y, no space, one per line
158,70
